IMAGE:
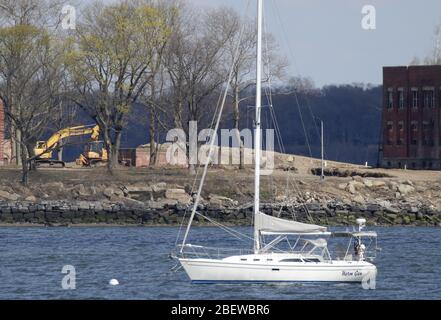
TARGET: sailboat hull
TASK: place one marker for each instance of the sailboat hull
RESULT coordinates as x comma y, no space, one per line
228,270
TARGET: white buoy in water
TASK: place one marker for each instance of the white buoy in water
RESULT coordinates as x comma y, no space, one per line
113,282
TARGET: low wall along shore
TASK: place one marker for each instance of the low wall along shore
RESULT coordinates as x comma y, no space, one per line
162,197
61,213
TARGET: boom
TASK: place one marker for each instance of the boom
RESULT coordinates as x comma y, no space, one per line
43,149
94,132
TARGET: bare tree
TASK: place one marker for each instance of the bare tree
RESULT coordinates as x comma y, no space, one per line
194,64
241,54
41,13
157,107
415,61
298,84
22,13
111,62
29,84
156,89
435,55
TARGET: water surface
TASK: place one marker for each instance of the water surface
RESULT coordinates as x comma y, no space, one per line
31,260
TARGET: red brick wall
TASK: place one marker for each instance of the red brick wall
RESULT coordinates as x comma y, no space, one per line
143,157
2,132
426,151
394,78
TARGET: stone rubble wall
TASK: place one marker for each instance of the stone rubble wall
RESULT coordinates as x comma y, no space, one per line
98,212
380,202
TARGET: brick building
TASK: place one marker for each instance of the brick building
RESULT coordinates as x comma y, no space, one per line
411,117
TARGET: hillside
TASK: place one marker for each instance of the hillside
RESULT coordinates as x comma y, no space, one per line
351,113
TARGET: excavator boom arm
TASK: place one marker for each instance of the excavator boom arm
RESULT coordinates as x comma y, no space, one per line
93,130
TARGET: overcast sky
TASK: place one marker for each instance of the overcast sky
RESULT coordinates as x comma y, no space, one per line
324,40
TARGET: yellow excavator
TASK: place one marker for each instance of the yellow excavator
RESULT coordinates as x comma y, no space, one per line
43,149
94,153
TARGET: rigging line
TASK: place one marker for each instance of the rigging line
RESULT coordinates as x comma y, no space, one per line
303,204
271,186
194,184
308,103
231,231
303,124
277,128
275,123
212,140
280,21
297,102
193,187
268,93
280,139
196,177
186,209
294,183
197,168
218,105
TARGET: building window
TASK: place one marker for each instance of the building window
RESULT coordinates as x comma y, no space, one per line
390,100
390,132
415,99
425,129
400,140
401,98
429,99
440,132
390,126
427,133
431,134
414,133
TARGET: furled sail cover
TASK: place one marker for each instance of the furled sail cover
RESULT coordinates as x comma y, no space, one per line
266,223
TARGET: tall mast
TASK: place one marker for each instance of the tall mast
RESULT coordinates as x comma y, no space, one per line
257,133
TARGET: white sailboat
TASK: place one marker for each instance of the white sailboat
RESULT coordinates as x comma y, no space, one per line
308,260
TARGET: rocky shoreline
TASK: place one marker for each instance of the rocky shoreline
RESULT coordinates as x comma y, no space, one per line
385,202
334,213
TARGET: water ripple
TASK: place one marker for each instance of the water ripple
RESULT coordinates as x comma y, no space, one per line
31,260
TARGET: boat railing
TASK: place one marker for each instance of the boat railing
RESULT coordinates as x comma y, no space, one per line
202,252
